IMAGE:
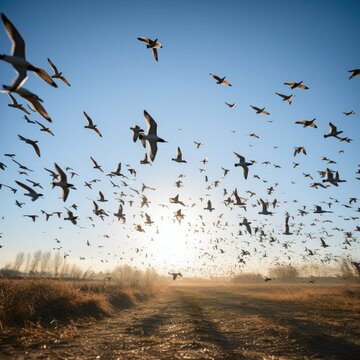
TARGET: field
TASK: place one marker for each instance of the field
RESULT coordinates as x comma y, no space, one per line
190,320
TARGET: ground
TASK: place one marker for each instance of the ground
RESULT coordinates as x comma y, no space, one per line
204,322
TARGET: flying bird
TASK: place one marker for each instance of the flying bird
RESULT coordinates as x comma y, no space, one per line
178,158
151,136
65,186
91,125
17,58
333,131
220,81
33,143
57,75
307,123
31,192
296,85
260,110
244,164
152,44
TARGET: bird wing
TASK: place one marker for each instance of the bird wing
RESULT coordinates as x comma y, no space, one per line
242,159
36,148
97,131
88,118
281,95
215,77
155,53
151,123
29,189
144,39
18,43
178,153
45,76
53,66
64,80
245,171
225,82
19,79
255,107
152,150
332,127
63,177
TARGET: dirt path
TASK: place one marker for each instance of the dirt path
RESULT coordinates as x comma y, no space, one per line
206,323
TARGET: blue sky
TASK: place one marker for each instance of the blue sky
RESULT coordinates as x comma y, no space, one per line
258,46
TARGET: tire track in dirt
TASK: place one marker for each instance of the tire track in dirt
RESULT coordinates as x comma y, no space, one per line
188,322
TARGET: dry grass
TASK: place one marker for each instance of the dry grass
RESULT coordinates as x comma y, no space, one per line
335,297
43,302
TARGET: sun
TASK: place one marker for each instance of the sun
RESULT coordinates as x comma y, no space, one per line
171,246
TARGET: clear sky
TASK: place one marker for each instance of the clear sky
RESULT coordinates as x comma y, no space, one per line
257,45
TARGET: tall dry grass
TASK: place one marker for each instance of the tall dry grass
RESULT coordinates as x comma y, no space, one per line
47,301
332,297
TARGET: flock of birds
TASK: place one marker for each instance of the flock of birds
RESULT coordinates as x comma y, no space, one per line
262,234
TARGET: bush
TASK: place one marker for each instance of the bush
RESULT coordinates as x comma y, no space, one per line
283,272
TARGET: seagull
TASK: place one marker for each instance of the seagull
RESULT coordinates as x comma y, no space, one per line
57,75
44,128
198,144
96,165
175,200
152,44
178,158
287,98
296,85
260,110
28,120
32,217
346,113
319,210
16,105
354,73
151,136
91,125
71,217
31,193
231,106
179,216
209,207
333,131
35,184
32,98
220,81
17,58
300,149
264,210
120,215
307,123
175,275
65,186
102,198
246,223
33,143
137,130
242,162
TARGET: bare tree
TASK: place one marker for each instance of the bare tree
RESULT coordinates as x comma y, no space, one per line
65,269
57,261
27,264
45,260
75,272
20,258
35,262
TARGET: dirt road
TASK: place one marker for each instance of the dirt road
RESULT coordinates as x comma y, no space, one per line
188,322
